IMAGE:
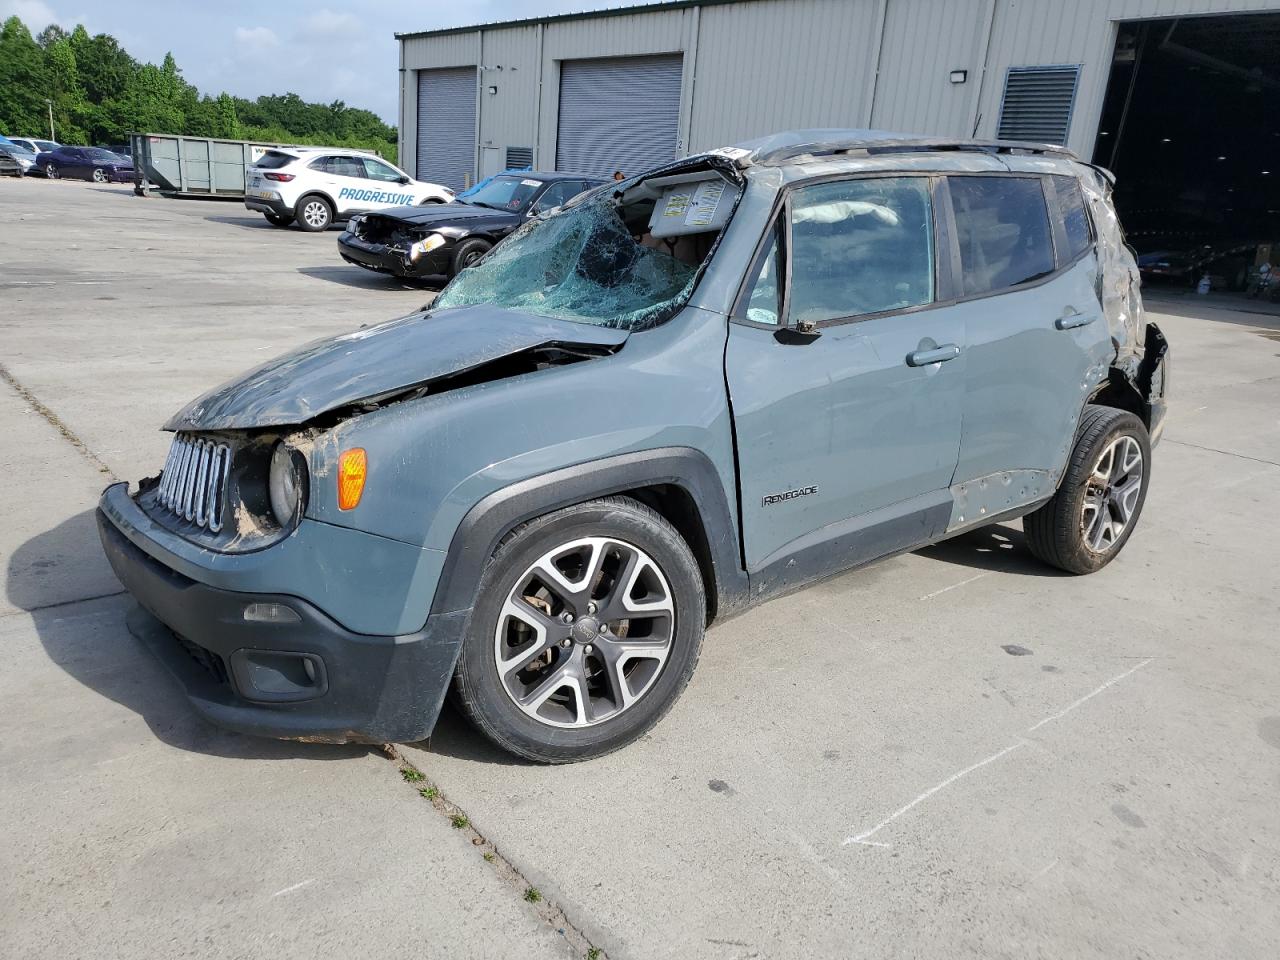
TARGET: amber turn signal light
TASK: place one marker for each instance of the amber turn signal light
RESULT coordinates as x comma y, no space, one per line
353,465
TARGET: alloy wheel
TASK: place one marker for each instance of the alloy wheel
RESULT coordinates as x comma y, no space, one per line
99,176
315,214
51,171
1111,494
585,632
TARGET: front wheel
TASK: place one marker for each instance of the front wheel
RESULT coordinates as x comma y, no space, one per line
51,171
587,629
315,214
468,253
1093,514
99,175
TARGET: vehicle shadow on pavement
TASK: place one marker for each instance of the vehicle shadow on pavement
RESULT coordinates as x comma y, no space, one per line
88,640
367,279
998,548
454,736
252,221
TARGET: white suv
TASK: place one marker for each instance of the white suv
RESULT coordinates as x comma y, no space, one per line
319,185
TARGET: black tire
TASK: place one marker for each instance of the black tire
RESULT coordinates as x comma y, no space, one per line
468,253
314,214
276,220
51,171
1056,531
99,175
478,687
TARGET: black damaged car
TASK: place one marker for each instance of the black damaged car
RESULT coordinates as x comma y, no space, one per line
440,239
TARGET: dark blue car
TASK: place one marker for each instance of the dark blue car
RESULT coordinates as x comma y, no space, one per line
86,163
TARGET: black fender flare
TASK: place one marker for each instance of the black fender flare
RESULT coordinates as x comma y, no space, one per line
497,514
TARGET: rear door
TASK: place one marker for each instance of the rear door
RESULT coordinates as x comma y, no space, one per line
847,435
1036,334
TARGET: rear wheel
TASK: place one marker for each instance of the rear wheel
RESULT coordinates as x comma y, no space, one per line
314,214
468,253
99,175
1093,514
276,220
51,171
588,626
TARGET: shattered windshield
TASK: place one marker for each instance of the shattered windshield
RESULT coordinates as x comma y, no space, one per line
593,263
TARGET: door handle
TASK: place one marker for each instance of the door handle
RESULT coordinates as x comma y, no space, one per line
922,358
1072,320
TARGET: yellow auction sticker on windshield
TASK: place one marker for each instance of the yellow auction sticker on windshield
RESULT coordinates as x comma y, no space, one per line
705,200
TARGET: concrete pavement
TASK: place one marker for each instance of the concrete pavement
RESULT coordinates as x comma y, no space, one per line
956,752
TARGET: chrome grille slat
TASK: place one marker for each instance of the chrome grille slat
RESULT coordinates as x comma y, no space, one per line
193,483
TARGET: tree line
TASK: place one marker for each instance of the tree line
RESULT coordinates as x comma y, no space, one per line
99,94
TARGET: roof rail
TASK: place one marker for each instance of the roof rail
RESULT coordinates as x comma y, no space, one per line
872,147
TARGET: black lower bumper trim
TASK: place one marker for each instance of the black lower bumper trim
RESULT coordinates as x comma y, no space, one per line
366,689
387,259
278,207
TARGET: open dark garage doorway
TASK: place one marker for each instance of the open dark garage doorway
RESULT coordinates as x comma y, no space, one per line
1191,127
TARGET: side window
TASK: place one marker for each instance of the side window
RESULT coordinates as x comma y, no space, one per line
321,165
377,170
1075,220
1002,225
860,247
558,193
348,167
764,305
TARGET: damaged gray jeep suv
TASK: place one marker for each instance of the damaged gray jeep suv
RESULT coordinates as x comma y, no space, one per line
670,399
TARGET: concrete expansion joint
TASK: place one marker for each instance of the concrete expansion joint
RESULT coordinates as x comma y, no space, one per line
67,433
1199,446
548,911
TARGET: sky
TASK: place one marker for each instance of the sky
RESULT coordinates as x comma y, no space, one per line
322,50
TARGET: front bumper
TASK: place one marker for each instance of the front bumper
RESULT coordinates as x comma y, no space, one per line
386,258
303,678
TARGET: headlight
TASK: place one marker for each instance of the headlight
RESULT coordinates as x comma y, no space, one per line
287,485
353,222
425,246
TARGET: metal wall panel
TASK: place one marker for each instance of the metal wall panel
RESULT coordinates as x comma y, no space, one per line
782,64
755,67
509,116
924,40
619,113
447,127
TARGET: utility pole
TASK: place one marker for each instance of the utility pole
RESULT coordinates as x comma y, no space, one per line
52,136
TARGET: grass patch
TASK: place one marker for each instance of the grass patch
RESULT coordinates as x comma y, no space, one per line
532,895
488,856
593,953
429,793
411,775
459,820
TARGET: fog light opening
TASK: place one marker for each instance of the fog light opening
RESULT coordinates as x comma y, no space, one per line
271,613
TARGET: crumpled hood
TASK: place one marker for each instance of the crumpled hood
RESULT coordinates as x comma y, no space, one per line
411,351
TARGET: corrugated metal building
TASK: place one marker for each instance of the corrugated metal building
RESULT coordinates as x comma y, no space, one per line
624,88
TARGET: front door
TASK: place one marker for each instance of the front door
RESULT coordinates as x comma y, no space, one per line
848,434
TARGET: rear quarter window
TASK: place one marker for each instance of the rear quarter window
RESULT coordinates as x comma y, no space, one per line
1074,217
1002,225
274,160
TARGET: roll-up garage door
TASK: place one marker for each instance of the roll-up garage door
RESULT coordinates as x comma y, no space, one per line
622,113
447,127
